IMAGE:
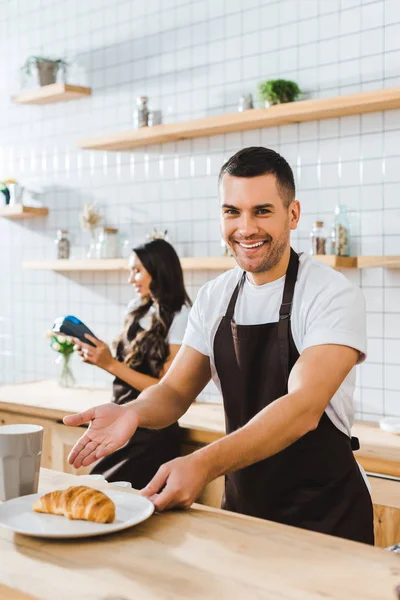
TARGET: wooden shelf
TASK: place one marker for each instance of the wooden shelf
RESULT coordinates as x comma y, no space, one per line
84,264
339,262
211,263
121,264
48,94
383,262
282,114
19,211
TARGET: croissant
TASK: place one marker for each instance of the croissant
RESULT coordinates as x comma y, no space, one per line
77,502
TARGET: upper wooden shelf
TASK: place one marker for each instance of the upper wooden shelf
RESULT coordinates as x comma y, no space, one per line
211,263
48,94
282,114
19,211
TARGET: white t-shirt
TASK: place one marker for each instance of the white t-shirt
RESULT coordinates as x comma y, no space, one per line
178,326
327,309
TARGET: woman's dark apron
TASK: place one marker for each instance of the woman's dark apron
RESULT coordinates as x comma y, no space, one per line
315,483
139,460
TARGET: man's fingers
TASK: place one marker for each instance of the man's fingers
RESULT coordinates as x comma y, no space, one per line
84,453
77,449
156,483
164,500
96,452
88,460
169,498
79,418
104,449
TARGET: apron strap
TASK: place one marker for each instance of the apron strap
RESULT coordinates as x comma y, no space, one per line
232,303
286,310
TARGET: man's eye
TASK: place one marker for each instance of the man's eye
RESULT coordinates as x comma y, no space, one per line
230,211
264,211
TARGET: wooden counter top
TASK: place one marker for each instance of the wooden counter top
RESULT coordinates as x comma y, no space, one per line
204,422
195,554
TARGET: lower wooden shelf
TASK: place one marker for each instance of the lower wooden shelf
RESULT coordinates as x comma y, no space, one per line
338,262
19,211
210,263
110,264
121,264
383,262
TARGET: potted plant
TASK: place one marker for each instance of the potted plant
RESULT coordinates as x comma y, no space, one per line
278,91
47,68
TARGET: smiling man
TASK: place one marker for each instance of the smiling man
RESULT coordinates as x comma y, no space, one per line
280,336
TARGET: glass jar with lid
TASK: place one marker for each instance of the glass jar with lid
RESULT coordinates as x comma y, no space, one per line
141,114
341,232
63,244
318,238
108,245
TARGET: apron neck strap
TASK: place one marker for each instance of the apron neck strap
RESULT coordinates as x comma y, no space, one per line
290,282
232,302
285,312
288,291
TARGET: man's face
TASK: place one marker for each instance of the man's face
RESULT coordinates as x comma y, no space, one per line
254,221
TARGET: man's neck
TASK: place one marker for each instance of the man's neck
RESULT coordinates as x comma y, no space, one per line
278,271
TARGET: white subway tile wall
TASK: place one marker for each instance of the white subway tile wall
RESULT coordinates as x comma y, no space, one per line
192,58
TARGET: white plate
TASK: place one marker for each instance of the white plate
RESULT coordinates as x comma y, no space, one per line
17,514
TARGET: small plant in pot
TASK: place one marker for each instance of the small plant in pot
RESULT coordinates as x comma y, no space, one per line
47,68
278,91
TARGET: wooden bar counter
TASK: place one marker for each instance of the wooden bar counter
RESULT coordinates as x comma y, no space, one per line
202,553
45,403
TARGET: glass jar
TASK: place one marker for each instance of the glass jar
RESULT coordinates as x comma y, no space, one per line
340,232
141,114
63,244
245,102
318,238
108,245
154,118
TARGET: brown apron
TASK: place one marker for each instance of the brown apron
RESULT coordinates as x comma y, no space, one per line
139,460
315,483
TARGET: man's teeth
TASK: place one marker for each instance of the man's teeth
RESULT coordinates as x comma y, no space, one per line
251,245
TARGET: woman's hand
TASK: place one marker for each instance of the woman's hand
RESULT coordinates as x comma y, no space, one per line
98,355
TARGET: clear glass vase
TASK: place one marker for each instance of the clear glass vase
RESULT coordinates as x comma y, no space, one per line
66,378
91,251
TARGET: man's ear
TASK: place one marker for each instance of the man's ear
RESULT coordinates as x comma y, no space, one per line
294,211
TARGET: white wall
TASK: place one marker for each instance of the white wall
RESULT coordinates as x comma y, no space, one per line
193,59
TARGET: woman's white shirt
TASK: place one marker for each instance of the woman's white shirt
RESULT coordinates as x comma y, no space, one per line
178,326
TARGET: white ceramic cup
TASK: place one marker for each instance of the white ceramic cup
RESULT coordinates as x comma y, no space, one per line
20,454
